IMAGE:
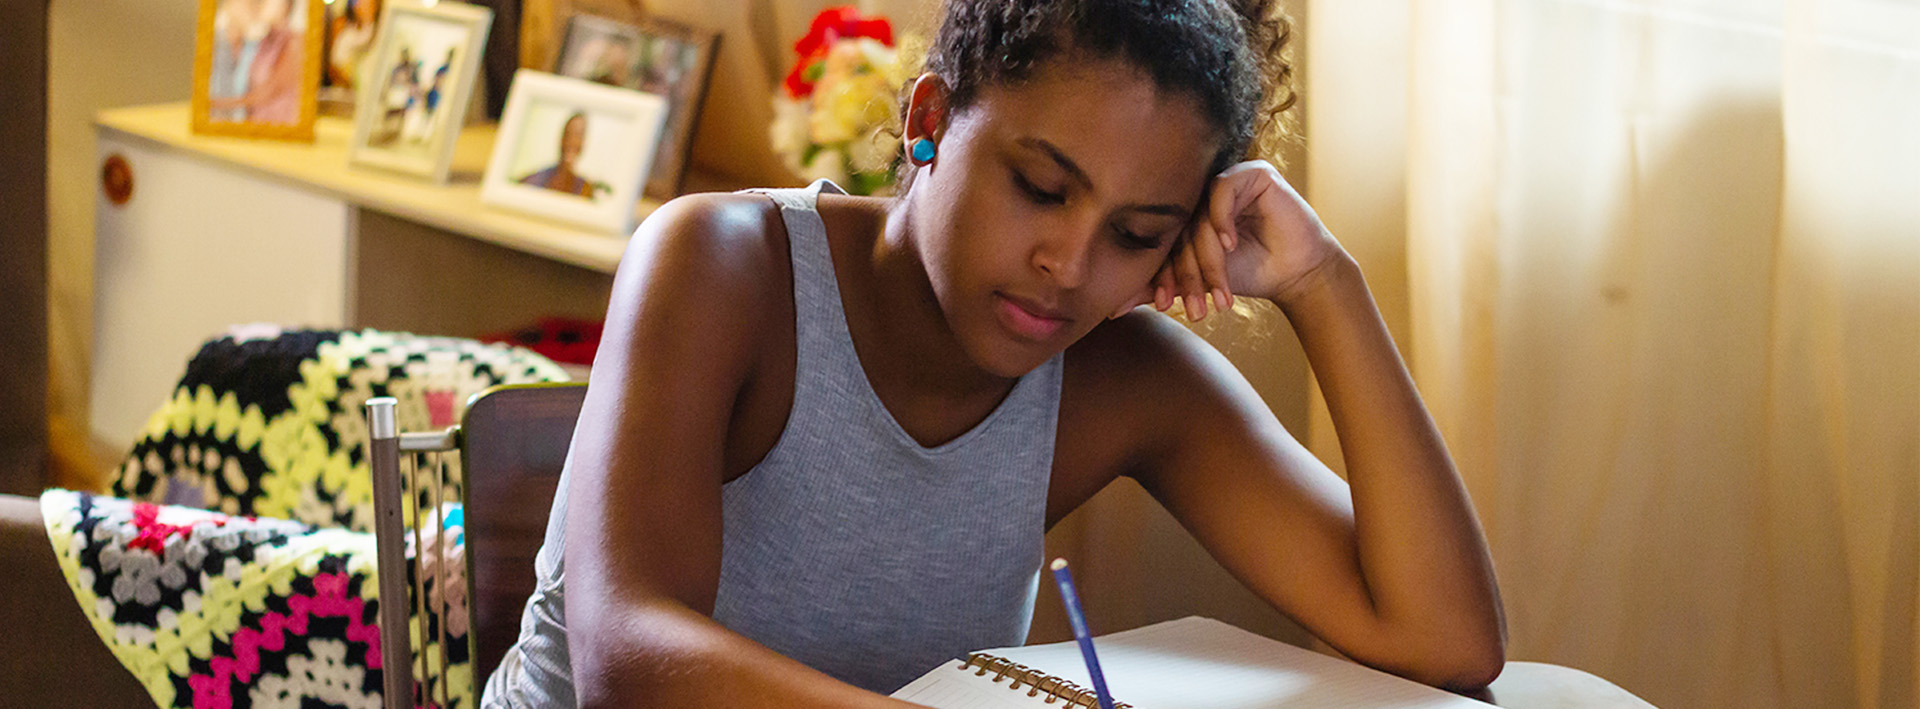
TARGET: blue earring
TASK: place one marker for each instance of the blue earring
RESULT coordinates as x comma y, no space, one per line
923,151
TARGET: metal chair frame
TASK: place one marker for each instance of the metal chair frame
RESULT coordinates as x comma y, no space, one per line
512,441
393,502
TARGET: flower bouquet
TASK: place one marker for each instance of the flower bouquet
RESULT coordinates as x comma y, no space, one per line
832,120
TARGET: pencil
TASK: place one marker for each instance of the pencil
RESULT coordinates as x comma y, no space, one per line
1078,619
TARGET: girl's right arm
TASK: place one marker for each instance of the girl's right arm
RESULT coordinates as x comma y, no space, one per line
684,329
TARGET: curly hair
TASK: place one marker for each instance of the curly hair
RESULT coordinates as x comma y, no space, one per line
1229,55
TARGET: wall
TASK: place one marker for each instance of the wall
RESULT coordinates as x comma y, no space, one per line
23,246
100,54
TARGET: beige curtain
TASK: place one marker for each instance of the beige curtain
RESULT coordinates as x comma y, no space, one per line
1662,277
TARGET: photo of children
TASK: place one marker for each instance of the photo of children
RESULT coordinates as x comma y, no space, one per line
259,61
415,82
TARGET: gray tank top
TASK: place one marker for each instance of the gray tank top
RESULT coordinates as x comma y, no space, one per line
850,547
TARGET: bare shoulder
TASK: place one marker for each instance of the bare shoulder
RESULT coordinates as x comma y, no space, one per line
733,240
1143,362
701,283
1131,388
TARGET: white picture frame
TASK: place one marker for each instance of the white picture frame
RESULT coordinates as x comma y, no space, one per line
612,144
415,87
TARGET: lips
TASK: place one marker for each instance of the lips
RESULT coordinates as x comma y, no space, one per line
1026,318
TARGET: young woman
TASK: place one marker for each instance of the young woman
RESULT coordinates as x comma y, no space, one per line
826,434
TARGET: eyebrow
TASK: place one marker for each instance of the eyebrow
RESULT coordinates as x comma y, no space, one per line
1079,175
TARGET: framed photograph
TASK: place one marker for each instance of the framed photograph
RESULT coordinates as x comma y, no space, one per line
666,59
413,96
573,150
256,68
350,32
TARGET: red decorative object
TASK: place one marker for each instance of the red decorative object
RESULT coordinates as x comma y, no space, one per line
116,179
563,340
831,25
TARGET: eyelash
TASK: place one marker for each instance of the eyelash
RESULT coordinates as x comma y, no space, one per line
1038,196
1035,193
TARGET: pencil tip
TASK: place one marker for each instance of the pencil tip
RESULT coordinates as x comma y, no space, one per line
1058,564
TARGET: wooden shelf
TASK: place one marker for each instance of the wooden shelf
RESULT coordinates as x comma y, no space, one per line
321,167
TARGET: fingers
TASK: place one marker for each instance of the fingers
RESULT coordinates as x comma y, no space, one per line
1236,190
1191,284
1225,207
1210,254
1166,284
1196,272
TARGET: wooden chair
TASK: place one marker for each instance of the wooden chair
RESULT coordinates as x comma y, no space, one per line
512,443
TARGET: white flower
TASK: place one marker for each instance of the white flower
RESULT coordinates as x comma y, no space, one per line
874,152
829,164
845,109
789,130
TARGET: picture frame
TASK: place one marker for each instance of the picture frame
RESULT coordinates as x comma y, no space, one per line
351,29
416,87
669,59
573,150
256,68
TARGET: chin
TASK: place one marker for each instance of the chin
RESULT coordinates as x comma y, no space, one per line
1013,363
1002,354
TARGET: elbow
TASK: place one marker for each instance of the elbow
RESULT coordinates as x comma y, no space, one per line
627,682
633,657
1458,666
1468,654
1454,660
1474,672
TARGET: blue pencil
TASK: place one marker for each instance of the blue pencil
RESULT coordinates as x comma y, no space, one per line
1080,632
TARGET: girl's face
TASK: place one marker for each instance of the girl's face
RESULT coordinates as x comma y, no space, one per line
1051,204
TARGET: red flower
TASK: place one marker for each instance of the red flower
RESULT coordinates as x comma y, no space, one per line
831,25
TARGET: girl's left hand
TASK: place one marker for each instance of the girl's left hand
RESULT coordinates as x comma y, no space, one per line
1255,237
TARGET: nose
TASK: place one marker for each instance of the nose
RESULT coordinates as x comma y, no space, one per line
1064,255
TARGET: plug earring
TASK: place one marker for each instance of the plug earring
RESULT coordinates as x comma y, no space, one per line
923,151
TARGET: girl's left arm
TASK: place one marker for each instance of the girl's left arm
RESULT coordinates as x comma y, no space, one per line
1390,568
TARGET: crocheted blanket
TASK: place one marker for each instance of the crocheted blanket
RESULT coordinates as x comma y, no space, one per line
211,610
271,422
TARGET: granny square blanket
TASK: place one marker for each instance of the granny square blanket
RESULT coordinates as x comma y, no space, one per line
272,422
214,610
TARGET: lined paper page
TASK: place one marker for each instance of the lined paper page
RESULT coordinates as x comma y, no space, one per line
955,686
1201,663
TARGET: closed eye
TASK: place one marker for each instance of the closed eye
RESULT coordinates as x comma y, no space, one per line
1039,196
1135,241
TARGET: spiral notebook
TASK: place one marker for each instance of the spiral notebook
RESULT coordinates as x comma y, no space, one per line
1191,663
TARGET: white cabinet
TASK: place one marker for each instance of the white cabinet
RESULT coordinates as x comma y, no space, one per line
221,231
198,247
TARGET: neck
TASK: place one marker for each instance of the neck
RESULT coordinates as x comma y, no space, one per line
913,337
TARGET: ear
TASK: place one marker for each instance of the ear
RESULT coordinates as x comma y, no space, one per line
926,111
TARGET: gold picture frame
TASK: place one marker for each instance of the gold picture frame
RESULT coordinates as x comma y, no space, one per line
251,100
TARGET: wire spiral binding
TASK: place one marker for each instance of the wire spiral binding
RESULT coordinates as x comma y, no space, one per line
1037,682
